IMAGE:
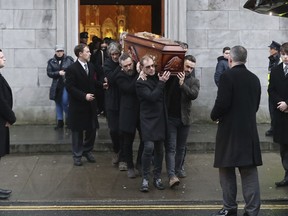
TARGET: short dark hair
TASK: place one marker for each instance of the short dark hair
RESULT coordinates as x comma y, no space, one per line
284,48
0,50
124,56
225,48
79,48
190,58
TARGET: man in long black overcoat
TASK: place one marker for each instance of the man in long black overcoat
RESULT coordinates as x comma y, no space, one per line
81,84
7,118
237,140
278,92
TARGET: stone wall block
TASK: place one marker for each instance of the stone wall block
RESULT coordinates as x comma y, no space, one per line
283,23
1,38
6,21
45,38
279,36
22,78
246,20
222,38
197,38
39,115
254,38
44,4
257,58
206,57
19,38
26,58
16,4
207,77
223,5
197,5
207,20
32,97
35,19
43,79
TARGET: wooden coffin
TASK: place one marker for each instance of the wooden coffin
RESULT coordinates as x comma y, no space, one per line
167,54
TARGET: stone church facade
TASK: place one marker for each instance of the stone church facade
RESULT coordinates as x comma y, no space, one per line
30,29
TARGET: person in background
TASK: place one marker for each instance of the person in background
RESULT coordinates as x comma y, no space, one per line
237,139
278,92
274,60
180,91
222,65
98,58
7,118
153,120
84,37
56,70
81,83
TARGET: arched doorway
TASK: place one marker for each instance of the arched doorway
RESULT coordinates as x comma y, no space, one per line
109,18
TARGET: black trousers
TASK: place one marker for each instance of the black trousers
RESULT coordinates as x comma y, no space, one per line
83,142
284,158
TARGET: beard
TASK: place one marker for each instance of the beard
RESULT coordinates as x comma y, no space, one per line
129,72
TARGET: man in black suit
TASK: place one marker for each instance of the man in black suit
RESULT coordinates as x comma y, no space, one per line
7,118
237,140
278,92
81,83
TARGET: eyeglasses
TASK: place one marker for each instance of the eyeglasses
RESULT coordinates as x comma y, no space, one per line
150,66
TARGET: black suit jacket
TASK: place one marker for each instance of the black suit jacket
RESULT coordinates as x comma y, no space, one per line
82,114
278,91
238,98
6,115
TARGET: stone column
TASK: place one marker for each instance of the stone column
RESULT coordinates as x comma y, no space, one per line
67,24
175,19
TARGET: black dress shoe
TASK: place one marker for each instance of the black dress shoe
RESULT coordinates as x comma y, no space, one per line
3,191
77,162
4,196
282,183
158,184
90,158
269,133
226,212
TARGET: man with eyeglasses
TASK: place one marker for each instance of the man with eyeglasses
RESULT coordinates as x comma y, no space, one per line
278,92
7,118
222,64
153,120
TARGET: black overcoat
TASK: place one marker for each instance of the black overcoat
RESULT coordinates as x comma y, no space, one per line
6,115
129,104
82,114
153,114
278,91
238,98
